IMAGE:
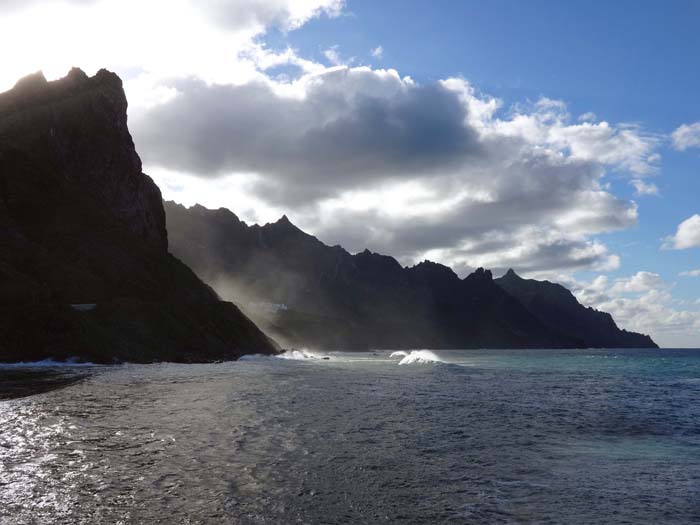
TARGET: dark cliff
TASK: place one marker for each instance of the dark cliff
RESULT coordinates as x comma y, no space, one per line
309,294
556,307
84,265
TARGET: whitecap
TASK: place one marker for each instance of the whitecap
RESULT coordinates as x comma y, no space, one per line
292,355
47,363
417,357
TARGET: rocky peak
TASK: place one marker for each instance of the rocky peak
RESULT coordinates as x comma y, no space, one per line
510,274
73,132
480,275
32,82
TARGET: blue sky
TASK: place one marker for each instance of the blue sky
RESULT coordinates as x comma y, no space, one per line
536,135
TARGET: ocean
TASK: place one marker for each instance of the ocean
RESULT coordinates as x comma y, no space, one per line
479,436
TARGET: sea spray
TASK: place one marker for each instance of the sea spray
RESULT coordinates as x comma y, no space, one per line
417,357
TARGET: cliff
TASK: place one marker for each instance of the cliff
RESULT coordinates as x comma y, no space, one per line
84,265
556,307
309,294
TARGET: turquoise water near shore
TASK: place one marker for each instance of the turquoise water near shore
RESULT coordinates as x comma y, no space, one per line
488,436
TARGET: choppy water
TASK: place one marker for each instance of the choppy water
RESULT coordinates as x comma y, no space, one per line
491,437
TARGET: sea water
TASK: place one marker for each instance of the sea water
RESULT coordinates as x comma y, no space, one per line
528,436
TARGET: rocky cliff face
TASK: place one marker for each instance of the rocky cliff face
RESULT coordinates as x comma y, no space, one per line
76,128
80,224
310,294
556,306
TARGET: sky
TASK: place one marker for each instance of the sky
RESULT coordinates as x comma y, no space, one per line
561,139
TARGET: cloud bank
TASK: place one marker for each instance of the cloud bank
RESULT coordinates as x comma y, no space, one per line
367,158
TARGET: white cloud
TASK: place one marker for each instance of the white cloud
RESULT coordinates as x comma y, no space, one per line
644,188
377,52
686,136
213,40
690,273
639,282
687,235
587,117
333,56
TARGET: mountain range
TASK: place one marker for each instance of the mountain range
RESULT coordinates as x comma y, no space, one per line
306,293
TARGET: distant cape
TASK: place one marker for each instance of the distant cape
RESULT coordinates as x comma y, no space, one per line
308,294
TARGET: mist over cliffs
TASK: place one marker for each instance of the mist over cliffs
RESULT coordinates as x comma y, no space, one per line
306,293
84,265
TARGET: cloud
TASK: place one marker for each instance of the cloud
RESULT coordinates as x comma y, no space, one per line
377,52
333,56
644,188
686,136
216,41
285,14
639,282
351,127
367,158
8,6
687,235
690,273
587,117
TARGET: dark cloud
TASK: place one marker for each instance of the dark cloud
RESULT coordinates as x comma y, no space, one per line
308,148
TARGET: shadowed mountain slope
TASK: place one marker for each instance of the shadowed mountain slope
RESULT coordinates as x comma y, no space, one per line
556,307
309,294
84,266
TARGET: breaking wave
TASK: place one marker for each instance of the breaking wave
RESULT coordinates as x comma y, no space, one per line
301,355
292,355
417,357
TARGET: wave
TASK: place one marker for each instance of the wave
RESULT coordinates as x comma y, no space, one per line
292,355
48,363
301,355
420,357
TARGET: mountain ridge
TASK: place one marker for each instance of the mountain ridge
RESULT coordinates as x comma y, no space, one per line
320,283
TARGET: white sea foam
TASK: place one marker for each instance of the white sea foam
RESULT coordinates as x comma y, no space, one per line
46,363
417,357
292,355
301,355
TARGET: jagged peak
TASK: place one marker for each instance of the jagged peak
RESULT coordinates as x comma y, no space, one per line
105,76
31,82
34,89
480,274
510,274
77,74
283,223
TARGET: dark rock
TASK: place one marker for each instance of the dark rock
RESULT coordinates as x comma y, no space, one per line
556,307
335,300
81,224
